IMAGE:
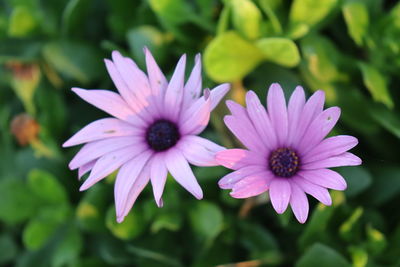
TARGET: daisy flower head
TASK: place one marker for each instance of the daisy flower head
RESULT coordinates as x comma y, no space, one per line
287,152
153,130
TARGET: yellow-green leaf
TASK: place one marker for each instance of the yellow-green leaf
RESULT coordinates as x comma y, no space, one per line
229,57
22,22
37,233
246,18
281,51
310,12
132,226
376,84
357,20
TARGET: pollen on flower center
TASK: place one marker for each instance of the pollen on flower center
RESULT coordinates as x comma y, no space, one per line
162,134
284,162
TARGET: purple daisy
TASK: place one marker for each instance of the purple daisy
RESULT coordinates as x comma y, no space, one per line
153,130
286,150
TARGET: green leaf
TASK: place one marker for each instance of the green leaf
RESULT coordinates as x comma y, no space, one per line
46,187
246,18
389,120
172,11
170,220
348,230
376,84
37,233
91,209
210,173
17,202
268,7
223,21
321,216
146,36
322,59
260,243
357,20
386,187
20,50
112,250
281,51
229,58
321,255
8,249
297,31
206,219
74,14
310,12
376,241
359,256
55,121
22,22
353,103
358,180
154,256
75,60
132,226
68,248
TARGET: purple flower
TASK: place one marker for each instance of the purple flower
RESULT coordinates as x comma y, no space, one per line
286,150
153,130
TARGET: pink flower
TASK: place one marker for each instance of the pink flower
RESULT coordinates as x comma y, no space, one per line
153,130
286,150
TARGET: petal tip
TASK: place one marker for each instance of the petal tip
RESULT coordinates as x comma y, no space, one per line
302,220
160,203
83,187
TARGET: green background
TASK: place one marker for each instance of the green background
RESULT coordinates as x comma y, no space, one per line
348,48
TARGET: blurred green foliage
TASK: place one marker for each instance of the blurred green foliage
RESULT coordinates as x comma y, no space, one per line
349,48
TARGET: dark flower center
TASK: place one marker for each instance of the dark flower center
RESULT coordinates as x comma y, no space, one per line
162,134
284,162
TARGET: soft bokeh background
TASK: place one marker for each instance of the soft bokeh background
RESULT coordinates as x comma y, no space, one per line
349,48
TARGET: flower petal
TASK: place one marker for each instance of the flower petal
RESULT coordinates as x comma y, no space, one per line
311,109
252,185
96,149
109,102
174,92
141,181
279,193
101,129
85,168
179,168
199,151
229,180
130,97
319,128
158,82
277,111
127,184
260,119
329,147
245,132
295,107
199,118
239,158
158,176
136,81
318,192
192,87
109,163
218,93
299,203
345,159
325,178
